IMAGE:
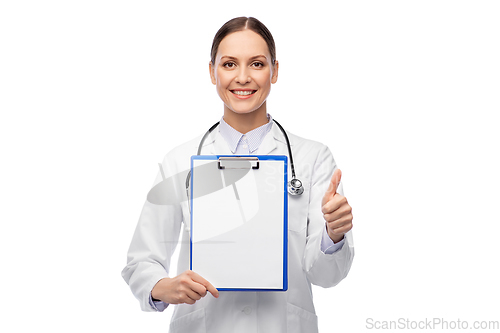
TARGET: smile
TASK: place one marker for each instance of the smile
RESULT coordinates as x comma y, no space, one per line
243,92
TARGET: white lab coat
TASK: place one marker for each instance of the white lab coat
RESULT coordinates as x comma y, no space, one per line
292,311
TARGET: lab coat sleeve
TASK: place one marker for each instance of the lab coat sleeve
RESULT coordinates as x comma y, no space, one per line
323,269
328,246
152,246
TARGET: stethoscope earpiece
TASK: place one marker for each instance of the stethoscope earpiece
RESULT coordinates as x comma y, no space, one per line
295,187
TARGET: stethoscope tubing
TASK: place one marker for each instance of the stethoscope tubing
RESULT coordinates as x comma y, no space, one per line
292,189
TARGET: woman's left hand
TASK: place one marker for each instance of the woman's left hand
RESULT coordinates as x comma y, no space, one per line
336,210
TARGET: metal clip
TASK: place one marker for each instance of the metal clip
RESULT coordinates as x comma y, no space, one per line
238,162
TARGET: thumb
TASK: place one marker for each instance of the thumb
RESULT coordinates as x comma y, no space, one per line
332,187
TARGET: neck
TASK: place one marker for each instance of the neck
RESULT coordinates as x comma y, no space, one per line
245,122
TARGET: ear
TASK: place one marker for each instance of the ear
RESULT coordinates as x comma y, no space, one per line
274,78
212,72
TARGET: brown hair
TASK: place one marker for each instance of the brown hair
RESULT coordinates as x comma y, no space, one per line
242,23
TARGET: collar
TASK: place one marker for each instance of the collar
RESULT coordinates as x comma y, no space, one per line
216,144
254,137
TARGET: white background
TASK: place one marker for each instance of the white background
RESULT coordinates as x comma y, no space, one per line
405,94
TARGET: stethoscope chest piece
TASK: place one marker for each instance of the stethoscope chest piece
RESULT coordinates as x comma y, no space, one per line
295,187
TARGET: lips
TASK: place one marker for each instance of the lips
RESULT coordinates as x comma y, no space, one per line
243,92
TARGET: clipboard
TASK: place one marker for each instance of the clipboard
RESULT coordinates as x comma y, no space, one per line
239,221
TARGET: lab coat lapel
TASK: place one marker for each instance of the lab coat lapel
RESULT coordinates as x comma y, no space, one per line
219,145
274,143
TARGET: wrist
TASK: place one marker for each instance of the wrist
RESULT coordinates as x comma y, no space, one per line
156,292
336,238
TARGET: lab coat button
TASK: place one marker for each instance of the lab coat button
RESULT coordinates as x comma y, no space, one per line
247,310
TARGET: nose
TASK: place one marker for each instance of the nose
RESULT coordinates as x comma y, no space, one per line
243,76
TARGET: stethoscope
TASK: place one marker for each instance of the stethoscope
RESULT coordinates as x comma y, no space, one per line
294,186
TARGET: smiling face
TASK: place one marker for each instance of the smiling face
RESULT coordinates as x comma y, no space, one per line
243,72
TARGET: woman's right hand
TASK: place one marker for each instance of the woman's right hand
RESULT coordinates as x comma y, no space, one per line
187,287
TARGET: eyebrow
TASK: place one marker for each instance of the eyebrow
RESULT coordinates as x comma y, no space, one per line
252,58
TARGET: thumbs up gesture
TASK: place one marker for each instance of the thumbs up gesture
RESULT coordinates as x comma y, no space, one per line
336,210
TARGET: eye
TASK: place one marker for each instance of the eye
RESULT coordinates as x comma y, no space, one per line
229,65
258,64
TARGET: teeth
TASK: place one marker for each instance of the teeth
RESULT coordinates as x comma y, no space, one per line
243,92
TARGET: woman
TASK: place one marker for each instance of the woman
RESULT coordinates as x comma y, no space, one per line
243,66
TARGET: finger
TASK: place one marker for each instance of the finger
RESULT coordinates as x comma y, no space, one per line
206,284
212,290
199,288
332,187
193,295
334,204
341,230
188,300
338,208
339,223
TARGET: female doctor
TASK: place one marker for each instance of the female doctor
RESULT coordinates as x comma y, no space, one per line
243,66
